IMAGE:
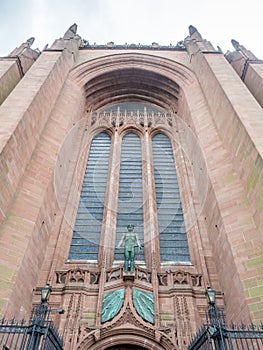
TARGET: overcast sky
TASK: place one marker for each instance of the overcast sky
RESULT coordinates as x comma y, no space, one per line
132,21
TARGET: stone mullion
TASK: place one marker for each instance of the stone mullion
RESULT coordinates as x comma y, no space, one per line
101,290
108,233
152,250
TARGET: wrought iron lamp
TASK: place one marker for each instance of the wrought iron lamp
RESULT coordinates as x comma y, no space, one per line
45,293
215,323
211,296
41,323
216,335
213,312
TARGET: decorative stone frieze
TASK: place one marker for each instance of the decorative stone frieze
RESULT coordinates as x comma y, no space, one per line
167,279
119,119
77,276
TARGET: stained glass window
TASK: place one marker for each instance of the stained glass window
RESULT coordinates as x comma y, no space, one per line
172,236
171,228
86,234
130,201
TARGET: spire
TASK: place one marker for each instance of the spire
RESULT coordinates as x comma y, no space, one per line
24,46
73,28
71,32
30,41
192,30
240,48
194,34
70,40
195,43
235,44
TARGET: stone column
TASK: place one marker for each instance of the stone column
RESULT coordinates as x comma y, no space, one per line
151,237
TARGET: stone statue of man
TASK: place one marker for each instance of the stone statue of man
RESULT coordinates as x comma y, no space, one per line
129,241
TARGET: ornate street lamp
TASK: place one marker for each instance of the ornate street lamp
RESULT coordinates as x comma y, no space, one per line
211,296
214,328
213,312
45,293
215,335
41,322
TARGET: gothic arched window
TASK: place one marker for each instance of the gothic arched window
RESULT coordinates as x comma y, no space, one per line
86,233
130,194
130,201
171,228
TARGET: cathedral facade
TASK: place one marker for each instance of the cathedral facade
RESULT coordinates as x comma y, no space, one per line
131,181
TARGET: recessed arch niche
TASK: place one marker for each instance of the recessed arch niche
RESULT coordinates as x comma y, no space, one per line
136,77
126,347
131,85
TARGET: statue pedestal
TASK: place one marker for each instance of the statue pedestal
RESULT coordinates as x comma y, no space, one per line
128,276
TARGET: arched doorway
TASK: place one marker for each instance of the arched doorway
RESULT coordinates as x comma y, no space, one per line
126,339
126,347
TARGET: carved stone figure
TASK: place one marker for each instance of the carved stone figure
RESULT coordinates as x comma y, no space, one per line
129,241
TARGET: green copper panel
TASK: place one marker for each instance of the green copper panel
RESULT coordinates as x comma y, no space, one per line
144,304
111,304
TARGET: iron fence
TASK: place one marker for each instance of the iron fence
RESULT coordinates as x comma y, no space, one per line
39,333
219,336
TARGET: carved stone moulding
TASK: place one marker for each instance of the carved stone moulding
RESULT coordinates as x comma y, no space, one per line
101,340
169,279
117,273
77,275
115,119
179,278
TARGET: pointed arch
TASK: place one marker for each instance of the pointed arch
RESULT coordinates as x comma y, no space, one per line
126,335
152,79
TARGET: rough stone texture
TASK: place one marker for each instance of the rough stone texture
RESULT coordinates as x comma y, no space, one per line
238,119
33,212
9,77
254,80
250,70
23,115
14,67
27,209
46,129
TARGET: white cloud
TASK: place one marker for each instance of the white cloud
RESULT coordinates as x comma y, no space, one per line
130,21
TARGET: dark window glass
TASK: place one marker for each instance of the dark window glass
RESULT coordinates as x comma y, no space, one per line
130,201
172,236
86,235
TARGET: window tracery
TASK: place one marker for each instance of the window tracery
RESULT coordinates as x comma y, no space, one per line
132,193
